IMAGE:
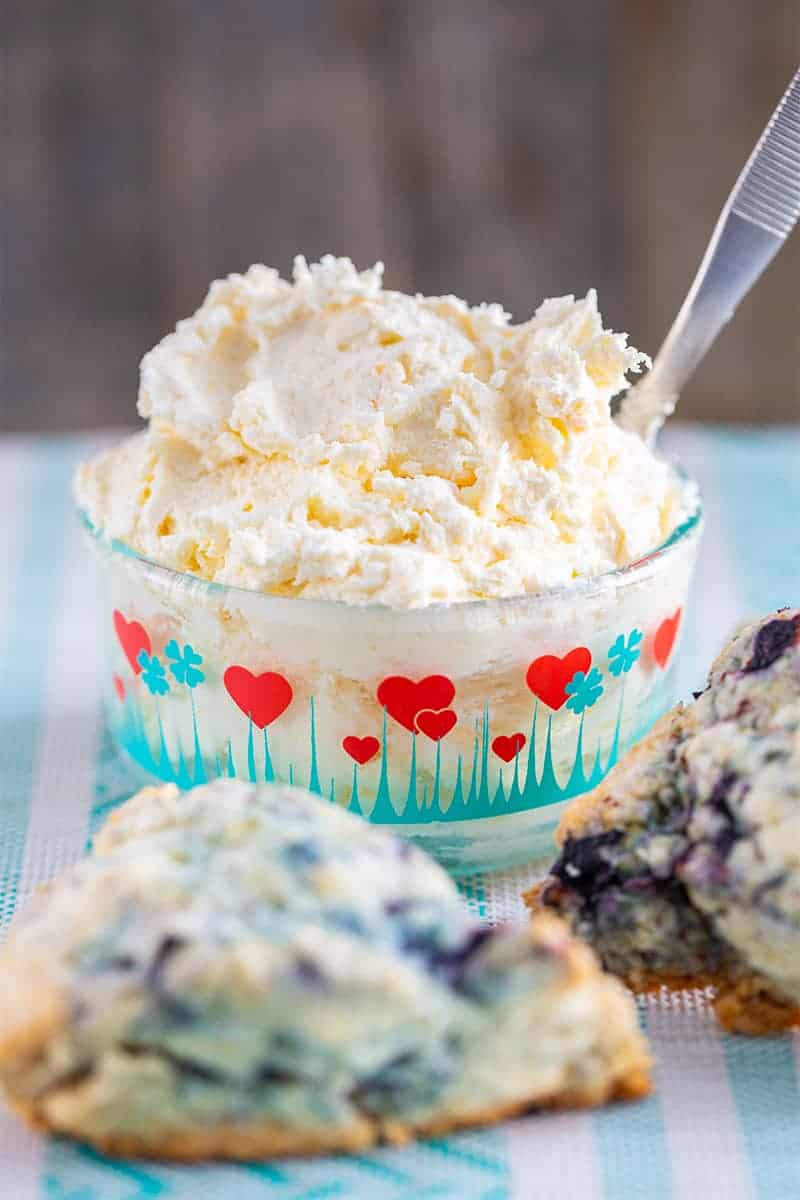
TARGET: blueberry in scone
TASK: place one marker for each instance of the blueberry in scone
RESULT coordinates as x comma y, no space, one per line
246,971
757,674
683,867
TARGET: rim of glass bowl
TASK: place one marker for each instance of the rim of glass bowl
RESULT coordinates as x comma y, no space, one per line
585,587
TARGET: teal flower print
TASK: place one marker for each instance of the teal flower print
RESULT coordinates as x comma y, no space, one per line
584,690
153,674
623,654
184,663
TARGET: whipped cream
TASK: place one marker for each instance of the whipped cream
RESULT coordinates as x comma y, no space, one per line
329,438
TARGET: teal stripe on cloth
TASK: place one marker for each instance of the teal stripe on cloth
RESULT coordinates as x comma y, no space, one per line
764,1083
759,494
23,657
632,1147
459,1168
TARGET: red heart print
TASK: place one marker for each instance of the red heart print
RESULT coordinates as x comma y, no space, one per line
133,638
119,687
665,638
549,675
361,750
261,697
436,725
509,747
404,699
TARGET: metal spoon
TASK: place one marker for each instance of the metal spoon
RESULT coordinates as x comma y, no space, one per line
758,216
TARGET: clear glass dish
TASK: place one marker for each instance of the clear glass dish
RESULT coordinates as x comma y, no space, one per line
465,727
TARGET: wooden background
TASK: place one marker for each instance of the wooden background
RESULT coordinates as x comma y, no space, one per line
500,150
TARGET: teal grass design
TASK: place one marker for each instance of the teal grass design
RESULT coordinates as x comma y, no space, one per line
437,779
458,791
476,791
472,795
269,770
199,767
313,777
130,733
515,795
251,753
354,797
411,798
383,811
483,791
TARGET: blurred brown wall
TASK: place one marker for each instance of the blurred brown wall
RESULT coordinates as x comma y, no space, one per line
499,150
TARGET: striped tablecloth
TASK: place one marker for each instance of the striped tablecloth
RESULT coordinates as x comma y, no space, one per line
725,1119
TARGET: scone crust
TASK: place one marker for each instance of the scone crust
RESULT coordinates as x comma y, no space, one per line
270,1140
746,1004
627,1077
601,1055
752,700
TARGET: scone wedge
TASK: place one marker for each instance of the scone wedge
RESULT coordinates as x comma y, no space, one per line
682,868
247,972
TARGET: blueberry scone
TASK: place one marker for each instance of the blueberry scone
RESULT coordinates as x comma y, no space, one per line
240,971
683,867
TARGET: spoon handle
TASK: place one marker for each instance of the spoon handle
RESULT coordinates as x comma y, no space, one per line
758,216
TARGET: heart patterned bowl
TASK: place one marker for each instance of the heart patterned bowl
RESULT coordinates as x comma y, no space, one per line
465,727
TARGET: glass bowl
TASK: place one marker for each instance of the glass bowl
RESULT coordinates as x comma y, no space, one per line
464,727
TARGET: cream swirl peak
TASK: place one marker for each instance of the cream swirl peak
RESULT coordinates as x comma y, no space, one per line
330,438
